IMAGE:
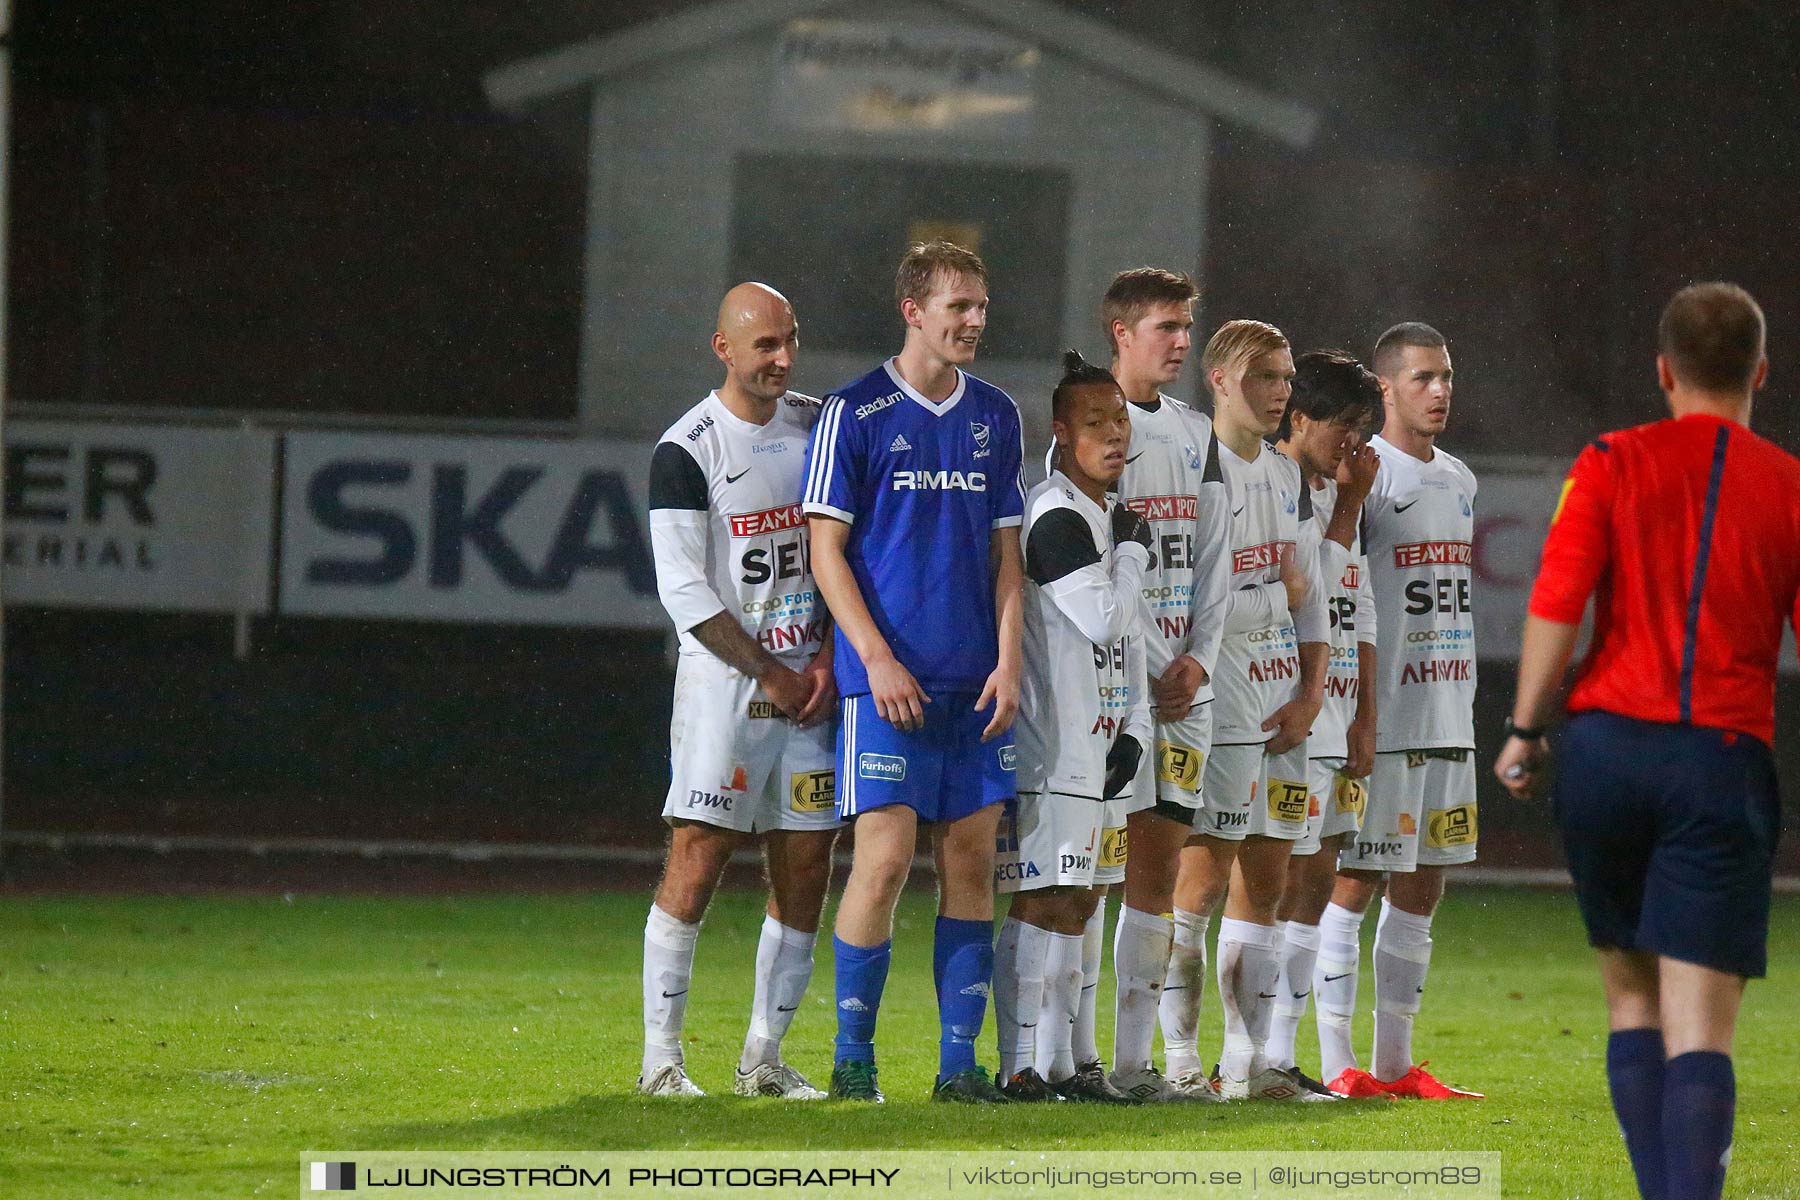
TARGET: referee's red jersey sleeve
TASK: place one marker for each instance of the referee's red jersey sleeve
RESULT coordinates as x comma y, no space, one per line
1579,546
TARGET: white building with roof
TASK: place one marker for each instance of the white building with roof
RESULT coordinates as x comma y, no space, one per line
806,142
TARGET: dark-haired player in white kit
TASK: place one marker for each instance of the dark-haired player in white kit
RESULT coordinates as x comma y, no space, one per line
1419,533
1173,479
1336,401
751,740
1084,723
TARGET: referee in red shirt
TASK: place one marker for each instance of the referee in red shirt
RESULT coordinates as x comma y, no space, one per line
1687,533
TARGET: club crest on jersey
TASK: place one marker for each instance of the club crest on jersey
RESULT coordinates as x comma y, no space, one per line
981,435
1287,501
1193,456
1466,510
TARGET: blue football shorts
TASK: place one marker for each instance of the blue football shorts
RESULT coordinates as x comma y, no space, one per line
943,771
1671,833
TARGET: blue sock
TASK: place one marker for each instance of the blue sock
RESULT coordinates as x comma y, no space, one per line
1634,1072
966,951
862,973
1699,1102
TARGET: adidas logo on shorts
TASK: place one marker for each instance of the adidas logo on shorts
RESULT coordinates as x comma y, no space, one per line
898,444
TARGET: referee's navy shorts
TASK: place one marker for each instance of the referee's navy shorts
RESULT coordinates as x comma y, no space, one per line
1670,832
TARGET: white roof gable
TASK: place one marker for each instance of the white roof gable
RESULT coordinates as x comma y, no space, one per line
1094,44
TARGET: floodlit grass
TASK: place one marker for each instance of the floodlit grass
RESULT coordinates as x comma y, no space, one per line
194,1047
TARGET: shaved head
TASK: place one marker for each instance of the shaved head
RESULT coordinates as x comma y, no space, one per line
748,303
757,339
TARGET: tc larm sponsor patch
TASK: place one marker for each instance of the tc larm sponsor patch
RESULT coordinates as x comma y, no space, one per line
813,791
1350,795
1451,827
1288,800
1179,765
1112,847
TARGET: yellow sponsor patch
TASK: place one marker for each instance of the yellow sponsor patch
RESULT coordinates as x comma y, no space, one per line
813,791
1288,800
1451,827
1112,848
1179,765
1350,795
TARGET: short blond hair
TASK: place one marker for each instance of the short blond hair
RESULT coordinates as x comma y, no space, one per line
1237,343
925,263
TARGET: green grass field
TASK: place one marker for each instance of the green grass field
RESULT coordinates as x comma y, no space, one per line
193,1047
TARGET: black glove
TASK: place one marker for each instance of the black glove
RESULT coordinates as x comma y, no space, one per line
1122,764
1128,525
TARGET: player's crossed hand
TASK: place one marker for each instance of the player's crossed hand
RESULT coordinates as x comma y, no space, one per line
897,695
1173,694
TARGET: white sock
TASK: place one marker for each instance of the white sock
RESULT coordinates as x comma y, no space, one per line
1402,956
668,968
1184,986
784,965
1334,987
1018,992
1299,951
1093,942
1140,964
1062,1000
1248,970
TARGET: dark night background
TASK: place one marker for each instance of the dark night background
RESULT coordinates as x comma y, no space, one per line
311,207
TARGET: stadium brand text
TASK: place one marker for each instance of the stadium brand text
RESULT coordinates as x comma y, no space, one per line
875,406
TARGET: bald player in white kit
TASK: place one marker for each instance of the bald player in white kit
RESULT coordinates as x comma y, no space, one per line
752,736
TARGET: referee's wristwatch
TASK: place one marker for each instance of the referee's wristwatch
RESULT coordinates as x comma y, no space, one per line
1520,731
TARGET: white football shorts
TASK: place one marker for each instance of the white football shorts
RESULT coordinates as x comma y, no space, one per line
737,763
1421,812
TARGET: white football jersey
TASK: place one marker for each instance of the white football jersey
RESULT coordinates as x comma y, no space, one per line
1419,534
1259,656
1172,476
726,525
1351,608
1083,682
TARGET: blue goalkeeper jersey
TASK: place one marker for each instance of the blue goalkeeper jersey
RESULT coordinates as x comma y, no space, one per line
922,486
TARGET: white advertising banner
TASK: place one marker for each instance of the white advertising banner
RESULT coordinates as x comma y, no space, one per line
149,517
1512,514
516,530
899,77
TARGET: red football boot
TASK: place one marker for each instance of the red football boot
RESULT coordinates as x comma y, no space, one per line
1354,1083
1420,1084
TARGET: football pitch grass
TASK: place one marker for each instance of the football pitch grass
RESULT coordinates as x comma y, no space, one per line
189,1047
